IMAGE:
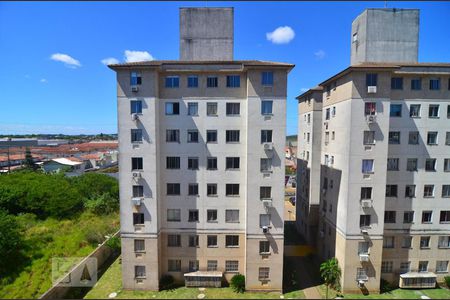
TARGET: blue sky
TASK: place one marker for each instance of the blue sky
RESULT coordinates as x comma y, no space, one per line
41,95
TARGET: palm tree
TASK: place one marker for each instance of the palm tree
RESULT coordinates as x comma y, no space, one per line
330,273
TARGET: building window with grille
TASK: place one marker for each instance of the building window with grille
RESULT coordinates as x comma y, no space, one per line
387,266
173,189
172,162
367,166
430,164
408,217
193,265
267,78
413,138
192,109
394,137
193,215
211,136
264,247
173,240
263,274
137,163
411,164
369,138
391,190
414,110
424,242
211,265
423,266
397,83
442,266
427,216
193,189
432,138
211,163
139,272
139,245
371,79
211,189
172,108
136,135
265,192
212,81
232,215
174,265
433,111
266,164
232,163
232,189
416,84
211,109
266,136
435,84
266,107
173,215
407,242
233,109
192,136
136,106
135,78
388,242
389,216
212,241
192,81
396,110
232,136
192,163
233,81
231,266
172,82
410,191
428,191
138,191
447,165
193,241
444,242
172,135
366,193
211,215
232,241
138,219
370,108
444,216
392,164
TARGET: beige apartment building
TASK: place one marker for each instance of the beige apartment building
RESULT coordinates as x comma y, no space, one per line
201,143
374,165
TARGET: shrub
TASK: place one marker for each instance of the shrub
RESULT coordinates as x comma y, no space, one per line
166,282
94,237
102,204
386,286
447,280
238,283
114,243
10,241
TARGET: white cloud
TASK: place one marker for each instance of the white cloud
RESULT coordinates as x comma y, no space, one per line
110,61
66,59
303,90
135,56
281,35
320,54
43,80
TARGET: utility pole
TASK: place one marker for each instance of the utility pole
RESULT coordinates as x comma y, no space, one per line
9,161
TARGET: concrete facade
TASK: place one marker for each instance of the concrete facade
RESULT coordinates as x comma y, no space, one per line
385,35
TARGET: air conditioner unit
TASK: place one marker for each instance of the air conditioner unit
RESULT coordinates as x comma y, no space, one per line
137,201
267,202
137,175
134,88
364,257
364,231
366,203
265,229
371,118
134,117
372,89
268,146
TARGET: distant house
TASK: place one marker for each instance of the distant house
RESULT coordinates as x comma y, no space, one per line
100,159
67,164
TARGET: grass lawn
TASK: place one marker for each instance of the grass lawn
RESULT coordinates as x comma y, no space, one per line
46,239
111,281
438,293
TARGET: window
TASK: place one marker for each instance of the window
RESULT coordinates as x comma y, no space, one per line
355,37
173,215
369,138
435,84
424,242
367,166
139,245
232,241
266,164
410,191
448,106
397,83
433,111
266,136
174,265
267,78
444,216
232,136
212,241
211,163
389,216
136,106
232,189
371,79
172,162
265,192
388,242
192,109
396,110
138,191
361,274
394,137
366,193
264,220
211,189
423,266
193,215
211,108
364,221
172,81
192,81
327,114
427,216
447,165
172,135
136,135
442,266
392,164
233,109
370,108
211,265
264,247
386,266
414,110
231,266
137,163
193,265
192,136
428,191
416,84
444,242
266,107
135,78
407,242
192,163
139,271
327,137
211,215
333,111
211,81
233,81
211,136
447,138
193,241
445,191
232,215
232,163
432,138
333,135
138,218
172,108
193,189
263,274
405,267
309,118
408,217
173,189
363,248
411,164
173,240
413,138
430,164
391,190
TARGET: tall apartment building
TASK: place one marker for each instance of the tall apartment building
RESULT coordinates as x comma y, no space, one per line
201,144
374,171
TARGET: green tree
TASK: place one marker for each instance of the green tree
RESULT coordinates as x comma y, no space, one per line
238,283
29,162
331,273
10,241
